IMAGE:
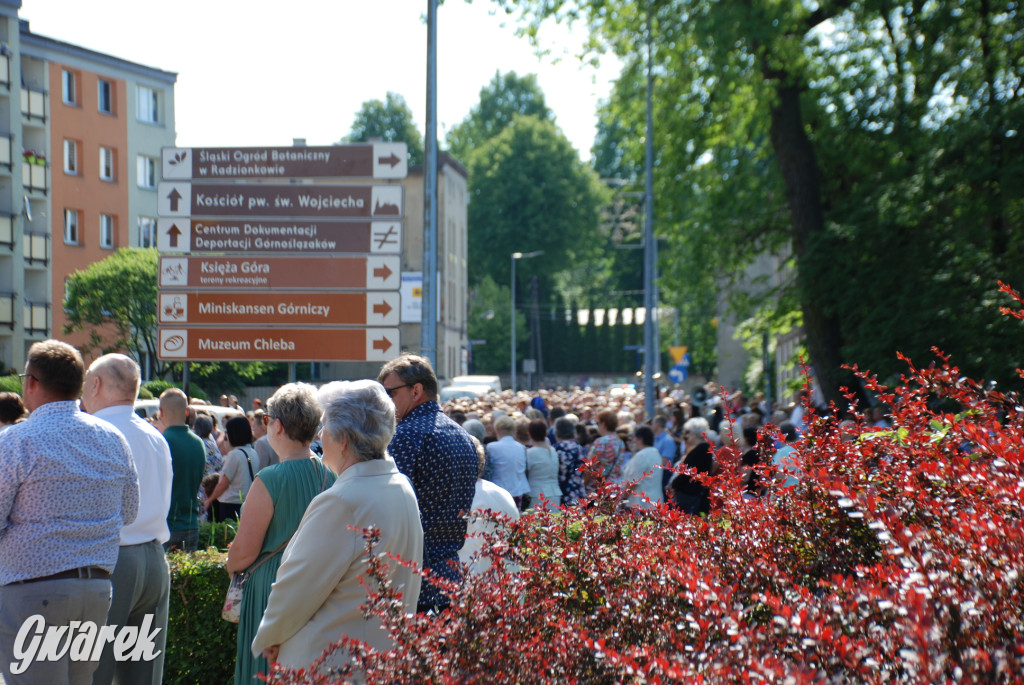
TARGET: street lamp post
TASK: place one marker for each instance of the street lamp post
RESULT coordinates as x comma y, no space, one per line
515,257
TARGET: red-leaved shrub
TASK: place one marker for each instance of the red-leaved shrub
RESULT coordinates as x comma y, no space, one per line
898,558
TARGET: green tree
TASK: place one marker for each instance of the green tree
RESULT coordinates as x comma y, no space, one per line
114,299
506,96
391,121
529,191
873,142
489,312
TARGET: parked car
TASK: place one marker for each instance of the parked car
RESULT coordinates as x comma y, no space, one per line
453,392
492,382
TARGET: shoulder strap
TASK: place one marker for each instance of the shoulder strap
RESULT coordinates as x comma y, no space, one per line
252,476
323,486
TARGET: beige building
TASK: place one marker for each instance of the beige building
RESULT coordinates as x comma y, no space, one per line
452,235
80,139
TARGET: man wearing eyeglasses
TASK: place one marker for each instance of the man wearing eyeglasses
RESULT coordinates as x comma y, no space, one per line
68,485
439,457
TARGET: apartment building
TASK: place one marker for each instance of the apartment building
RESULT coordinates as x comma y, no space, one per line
80,139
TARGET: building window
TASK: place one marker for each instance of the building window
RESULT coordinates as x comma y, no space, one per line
69,87
106,231
149,105
106,97
70,156
147,231
71,226
147,172
106,164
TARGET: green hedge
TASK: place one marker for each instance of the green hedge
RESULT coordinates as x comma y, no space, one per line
200,644
157,386
10,383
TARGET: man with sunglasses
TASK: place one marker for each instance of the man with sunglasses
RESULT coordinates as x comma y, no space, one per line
439,457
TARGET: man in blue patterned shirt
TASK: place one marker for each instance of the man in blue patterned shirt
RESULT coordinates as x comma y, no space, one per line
439,457
67,486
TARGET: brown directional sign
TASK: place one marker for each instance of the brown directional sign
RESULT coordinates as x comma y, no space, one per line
276,236
280,308
320,200
280,273
362,160
277,344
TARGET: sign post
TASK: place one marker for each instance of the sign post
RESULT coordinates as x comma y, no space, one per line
280,272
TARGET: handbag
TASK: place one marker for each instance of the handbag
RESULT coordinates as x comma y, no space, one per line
232,609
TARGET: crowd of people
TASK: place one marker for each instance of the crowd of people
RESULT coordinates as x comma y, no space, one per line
92,495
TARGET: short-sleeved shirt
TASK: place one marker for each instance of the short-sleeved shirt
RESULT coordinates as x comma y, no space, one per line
188,457
236,469
67,486
440,459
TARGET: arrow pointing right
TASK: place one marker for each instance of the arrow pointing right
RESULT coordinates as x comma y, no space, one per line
383,308
391,160
174,196
382,272
382,344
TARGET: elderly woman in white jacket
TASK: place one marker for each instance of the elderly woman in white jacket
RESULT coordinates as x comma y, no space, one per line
316,597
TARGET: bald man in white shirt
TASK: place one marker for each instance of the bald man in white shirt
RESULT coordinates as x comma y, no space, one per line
141,579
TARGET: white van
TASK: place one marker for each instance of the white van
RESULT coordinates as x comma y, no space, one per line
493,382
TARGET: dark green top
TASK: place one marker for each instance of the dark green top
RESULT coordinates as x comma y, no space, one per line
188,460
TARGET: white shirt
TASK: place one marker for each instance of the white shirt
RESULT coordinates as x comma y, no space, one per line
153,462
646,460
488,497
508,463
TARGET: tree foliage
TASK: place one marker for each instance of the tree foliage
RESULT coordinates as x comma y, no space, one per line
506,96
529,191
114,299
391,121
875,143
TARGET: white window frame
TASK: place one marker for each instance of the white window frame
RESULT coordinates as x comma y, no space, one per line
107,231
69,87
146,169
71,227
106,163
147,231
148,109
70,156
105,91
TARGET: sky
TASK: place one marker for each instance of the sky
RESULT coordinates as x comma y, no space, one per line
259,73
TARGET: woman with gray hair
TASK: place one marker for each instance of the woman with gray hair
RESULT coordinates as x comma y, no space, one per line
273,508
316,597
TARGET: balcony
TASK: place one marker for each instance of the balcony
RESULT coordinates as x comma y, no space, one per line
33,104
36,318
7,309
36,248
7,231
33,177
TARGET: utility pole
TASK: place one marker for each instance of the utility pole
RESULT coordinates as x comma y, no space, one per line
428,325
650,256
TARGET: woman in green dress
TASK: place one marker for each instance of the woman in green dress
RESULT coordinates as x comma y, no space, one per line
273,508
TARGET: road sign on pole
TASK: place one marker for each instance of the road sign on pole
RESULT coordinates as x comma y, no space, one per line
257,272
277,344
361,160
280,308
321,200
276,236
